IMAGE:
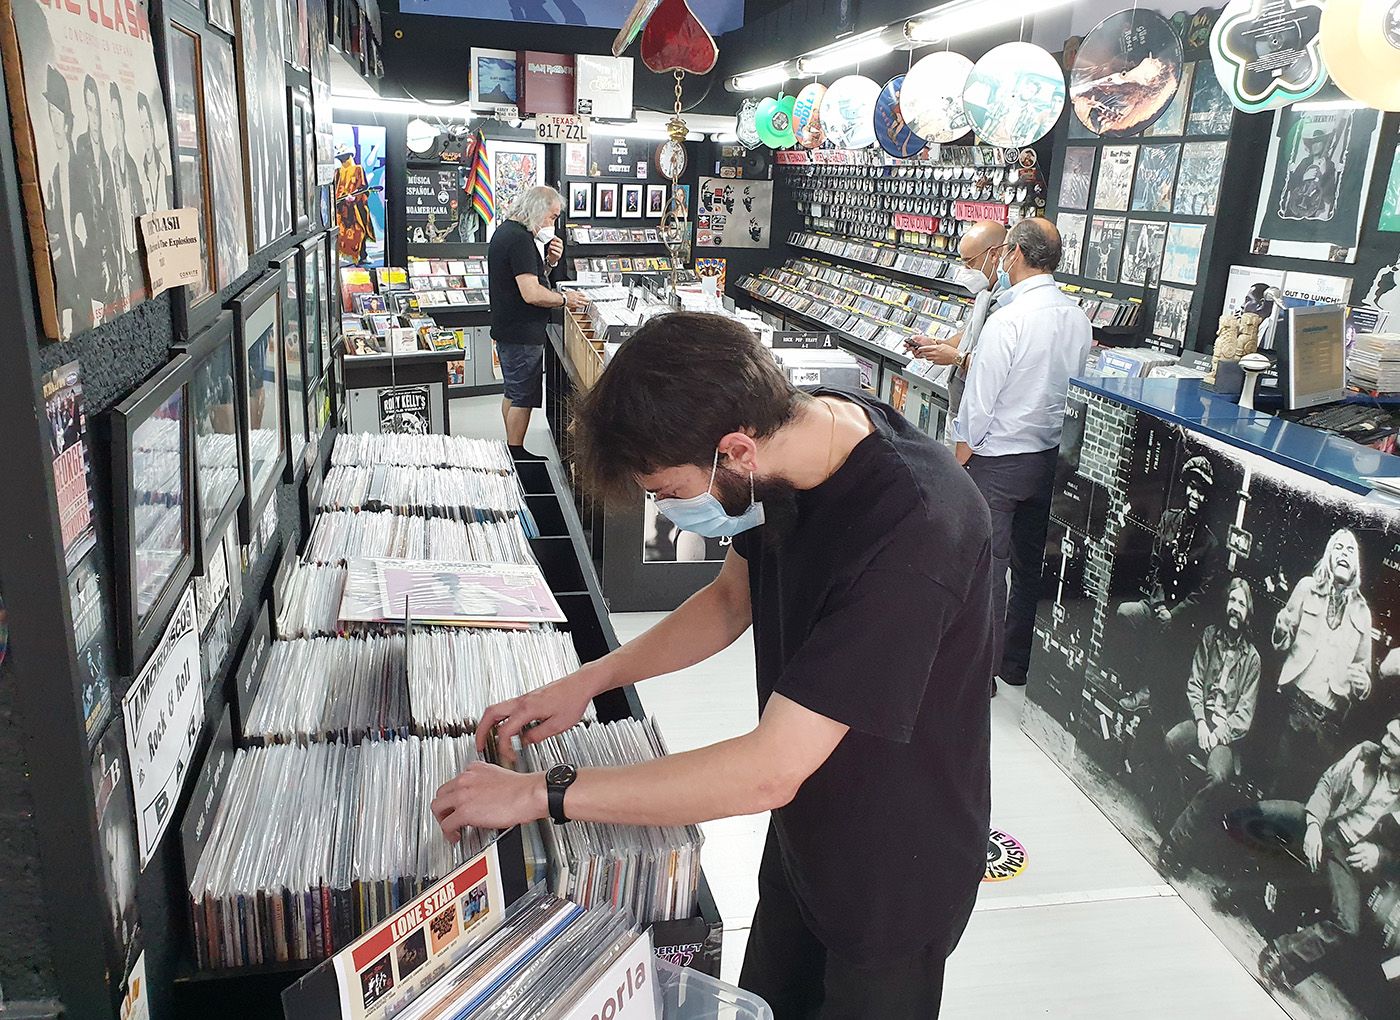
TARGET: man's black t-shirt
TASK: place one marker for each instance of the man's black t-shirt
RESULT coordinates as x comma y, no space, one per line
876,611
513,319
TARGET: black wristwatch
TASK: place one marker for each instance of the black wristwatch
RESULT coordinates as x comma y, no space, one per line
558,780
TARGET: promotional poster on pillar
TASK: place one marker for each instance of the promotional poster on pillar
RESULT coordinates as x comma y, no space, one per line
1216,665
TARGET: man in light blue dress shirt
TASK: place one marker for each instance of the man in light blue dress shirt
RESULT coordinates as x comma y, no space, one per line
1008,427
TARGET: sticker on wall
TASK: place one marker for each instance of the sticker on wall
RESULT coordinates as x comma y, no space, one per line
931,98
891,131
1006,857
1014,95
1268,53
1126,74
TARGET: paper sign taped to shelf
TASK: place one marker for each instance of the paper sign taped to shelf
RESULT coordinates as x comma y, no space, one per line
173,249
393,962
164,712
971,211
561,127
918,224
625,990
787,340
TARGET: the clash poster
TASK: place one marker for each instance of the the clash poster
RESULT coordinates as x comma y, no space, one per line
1316,179
1216,666
266,145
94,151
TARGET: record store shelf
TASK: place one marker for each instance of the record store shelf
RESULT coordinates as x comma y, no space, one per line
904,265
562,553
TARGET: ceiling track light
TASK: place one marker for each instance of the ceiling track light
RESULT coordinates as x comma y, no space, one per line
964,16
762,78
847,53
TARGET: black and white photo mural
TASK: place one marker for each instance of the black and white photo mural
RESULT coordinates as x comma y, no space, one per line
1217,665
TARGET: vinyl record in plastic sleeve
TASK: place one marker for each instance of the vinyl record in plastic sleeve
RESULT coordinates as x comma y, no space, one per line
931,98
1126,73
1014,95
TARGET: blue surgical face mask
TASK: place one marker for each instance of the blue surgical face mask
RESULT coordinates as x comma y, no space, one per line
705,515
1003,277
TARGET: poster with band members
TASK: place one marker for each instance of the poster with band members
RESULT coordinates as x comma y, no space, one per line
1078,173
1215,664
94,153
1104,253
1115,184
1198,181
1071,227
266,144
1316,181
1142,252
1156,178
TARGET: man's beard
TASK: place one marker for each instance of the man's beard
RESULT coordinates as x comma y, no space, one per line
777,495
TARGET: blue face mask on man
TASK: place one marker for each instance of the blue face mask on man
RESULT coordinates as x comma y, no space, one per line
1003,277
705,515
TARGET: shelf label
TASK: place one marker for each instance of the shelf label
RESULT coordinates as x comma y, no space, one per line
803,341
561,127
970,211
915,223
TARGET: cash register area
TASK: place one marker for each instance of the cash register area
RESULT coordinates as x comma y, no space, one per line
1087,930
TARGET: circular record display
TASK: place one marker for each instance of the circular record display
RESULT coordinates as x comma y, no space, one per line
1014,95
893,134
1361,47
421,137
1126,73
848,112
931,97
806,116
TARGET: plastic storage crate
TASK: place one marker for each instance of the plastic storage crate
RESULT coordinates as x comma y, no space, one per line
686,994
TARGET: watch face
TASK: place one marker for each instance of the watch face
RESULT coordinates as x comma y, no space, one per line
561,774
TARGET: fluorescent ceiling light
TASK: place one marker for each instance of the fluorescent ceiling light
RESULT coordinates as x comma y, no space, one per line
752,81
851,51
374,104
724,138
963,16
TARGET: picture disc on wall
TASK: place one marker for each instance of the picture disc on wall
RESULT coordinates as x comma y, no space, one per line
1361,48
931,98
421,138
848,112
1268,53
1014,95
1126,74
774,122
893,134
806,116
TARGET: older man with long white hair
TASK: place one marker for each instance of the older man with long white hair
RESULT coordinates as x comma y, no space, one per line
524,250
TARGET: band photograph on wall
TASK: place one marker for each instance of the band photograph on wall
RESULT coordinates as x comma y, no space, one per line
1216,666
76,145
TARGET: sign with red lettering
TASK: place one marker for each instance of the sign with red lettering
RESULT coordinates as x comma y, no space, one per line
792,157
394,956
918,224
969,211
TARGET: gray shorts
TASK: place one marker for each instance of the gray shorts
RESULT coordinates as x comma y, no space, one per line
522,368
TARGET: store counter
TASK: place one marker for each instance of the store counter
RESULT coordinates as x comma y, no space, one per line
1210,564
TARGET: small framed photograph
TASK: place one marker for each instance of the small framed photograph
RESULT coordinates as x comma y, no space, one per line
302,186
258,328
580,201
632,195
289,311
606,204
218,457
493,78
656,201
153,516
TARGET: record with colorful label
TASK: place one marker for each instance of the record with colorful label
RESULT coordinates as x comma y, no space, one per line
1126,73
848,112
893,134
1268,53
806,116
931,98
1014,95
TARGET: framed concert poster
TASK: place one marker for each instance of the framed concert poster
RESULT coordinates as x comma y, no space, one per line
93,152
151,497
293,366
218,454
299,117
225,165
262,85
195,307
259,373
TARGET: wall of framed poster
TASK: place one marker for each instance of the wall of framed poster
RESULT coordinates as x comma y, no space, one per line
82,225
301,135
289,311
227,175
259,372
215,421
262,82
152,507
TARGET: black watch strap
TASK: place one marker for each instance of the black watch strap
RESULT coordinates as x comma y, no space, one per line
557,782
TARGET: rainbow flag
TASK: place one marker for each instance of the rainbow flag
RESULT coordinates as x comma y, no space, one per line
483,200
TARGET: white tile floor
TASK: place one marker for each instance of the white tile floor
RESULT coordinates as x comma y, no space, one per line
1087,931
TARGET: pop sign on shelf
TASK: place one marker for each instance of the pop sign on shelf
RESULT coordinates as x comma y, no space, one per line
561,127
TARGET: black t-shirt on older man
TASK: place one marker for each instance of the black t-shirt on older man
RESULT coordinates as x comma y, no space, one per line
513,253
876,611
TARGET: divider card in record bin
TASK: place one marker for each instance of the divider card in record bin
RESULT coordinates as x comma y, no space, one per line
393,964
463,594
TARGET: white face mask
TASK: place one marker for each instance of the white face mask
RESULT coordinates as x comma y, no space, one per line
544,235
972,279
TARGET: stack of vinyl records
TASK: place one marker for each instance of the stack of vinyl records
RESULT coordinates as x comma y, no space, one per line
538,965
652,872
311,604
455,675
331,688
341,535
368,449
312,845
477,495
464,594
1374,362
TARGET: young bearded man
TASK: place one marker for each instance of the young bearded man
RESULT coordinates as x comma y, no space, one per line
862,558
